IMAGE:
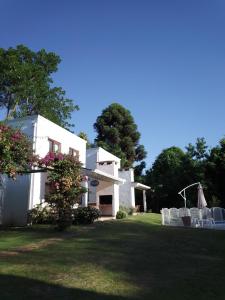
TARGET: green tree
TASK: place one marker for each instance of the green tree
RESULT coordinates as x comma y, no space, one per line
173,170
26,86
199,150
166,178
118,134
215,172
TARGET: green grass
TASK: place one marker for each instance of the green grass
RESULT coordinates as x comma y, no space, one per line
136,258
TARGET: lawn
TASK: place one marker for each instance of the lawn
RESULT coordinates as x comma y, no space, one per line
135,258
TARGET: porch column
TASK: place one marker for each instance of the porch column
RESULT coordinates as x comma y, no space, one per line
144,200
115,200
85,195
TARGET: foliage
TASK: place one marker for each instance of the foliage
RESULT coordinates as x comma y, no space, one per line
65,187
121,214
138,171
199,150
16,154
26,85
42,215
118,134
127,210
166,177
215,172
174,169
85,215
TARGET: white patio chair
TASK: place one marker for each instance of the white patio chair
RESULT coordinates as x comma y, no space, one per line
175,219
165,216
195,216
206,220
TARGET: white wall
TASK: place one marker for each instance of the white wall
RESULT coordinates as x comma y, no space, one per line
91,158
94,157
47,129
126,190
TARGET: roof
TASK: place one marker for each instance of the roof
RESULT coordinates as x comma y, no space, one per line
100,175
140,186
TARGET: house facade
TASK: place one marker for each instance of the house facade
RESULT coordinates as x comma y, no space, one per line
17,197
108,187
111,187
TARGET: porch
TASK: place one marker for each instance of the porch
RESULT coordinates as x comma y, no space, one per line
103,191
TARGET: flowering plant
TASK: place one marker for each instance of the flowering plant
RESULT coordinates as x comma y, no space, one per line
16,154
64,179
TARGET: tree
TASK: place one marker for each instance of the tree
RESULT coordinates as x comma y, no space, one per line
174,169
199,150
166,178
26,86
118,134
215,172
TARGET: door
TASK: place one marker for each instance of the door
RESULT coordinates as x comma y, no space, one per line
105,205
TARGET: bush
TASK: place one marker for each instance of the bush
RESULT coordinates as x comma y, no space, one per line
121,214
128,210
42,215
85,215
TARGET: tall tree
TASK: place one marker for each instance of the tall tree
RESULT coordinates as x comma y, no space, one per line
215,172
118,134
26,86
166,178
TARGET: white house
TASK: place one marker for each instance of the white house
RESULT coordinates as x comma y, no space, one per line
29,190
103,193
114,187
108,186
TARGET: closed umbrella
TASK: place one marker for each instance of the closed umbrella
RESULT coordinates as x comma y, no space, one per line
201,198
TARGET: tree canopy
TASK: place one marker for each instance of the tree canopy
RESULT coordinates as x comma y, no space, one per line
26,86
118,134
174,169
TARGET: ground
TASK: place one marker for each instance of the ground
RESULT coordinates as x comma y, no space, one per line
136,258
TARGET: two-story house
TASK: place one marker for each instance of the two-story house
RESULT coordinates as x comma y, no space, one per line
108,187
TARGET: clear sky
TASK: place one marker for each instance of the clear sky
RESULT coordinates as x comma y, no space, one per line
164,60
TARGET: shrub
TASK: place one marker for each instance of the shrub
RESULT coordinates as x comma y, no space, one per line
65,188
85,215
42,215
128,210
121,214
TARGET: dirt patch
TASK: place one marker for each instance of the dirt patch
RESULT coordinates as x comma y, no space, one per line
8,253
31,247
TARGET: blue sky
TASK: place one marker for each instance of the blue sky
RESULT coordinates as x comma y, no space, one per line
163,60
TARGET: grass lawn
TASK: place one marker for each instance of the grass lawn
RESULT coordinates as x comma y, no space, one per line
135,258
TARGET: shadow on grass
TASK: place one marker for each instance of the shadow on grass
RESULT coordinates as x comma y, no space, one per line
20,288
153,258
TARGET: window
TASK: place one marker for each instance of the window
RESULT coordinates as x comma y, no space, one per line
105,199
54,146
73,152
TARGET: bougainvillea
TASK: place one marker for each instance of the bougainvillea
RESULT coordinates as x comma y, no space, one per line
16,154
65,188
